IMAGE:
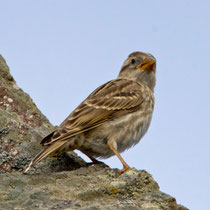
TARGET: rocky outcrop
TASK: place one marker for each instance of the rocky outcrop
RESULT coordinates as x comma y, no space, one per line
66,182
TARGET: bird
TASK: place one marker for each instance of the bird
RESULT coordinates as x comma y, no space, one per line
113,118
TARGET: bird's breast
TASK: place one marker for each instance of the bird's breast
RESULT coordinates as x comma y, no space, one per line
132,129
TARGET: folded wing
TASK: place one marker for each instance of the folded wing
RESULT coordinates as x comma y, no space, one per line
111,100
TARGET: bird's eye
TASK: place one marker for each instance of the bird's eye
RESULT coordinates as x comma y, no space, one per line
133,61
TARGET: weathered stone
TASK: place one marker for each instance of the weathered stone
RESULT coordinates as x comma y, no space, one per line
22,126
65,182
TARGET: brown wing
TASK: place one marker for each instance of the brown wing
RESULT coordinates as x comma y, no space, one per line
109,101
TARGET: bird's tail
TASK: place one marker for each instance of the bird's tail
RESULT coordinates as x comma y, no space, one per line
51,148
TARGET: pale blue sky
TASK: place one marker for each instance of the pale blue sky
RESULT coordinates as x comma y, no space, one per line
60,51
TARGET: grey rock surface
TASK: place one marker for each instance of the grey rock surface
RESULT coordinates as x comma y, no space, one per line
66,182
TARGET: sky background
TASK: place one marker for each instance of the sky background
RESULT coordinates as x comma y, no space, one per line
60,51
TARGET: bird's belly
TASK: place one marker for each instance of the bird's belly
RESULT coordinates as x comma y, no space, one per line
132,131
126,131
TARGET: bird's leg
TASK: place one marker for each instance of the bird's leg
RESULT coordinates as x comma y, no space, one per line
94,161
113,147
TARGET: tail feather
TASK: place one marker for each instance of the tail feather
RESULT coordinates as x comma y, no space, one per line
51,148
47,139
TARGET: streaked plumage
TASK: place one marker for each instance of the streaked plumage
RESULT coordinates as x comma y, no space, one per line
112,118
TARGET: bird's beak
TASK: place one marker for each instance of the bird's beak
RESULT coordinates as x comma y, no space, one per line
147,65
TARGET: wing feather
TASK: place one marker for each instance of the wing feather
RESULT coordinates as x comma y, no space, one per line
111,100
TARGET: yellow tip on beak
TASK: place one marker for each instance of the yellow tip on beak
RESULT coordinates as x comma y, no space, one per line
147,65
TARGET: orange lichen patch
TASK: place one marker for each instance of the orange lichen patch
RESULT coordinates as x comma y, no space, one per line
114,190
54,155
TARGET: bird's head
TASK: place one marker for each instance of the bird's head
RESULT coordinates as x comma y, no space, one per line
139,67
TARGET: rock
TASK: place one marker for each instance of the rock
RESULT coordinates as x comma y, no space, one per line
66,182
22,126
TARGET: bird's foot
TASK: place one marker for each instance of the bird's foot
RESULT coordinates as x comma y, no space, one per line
123,170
